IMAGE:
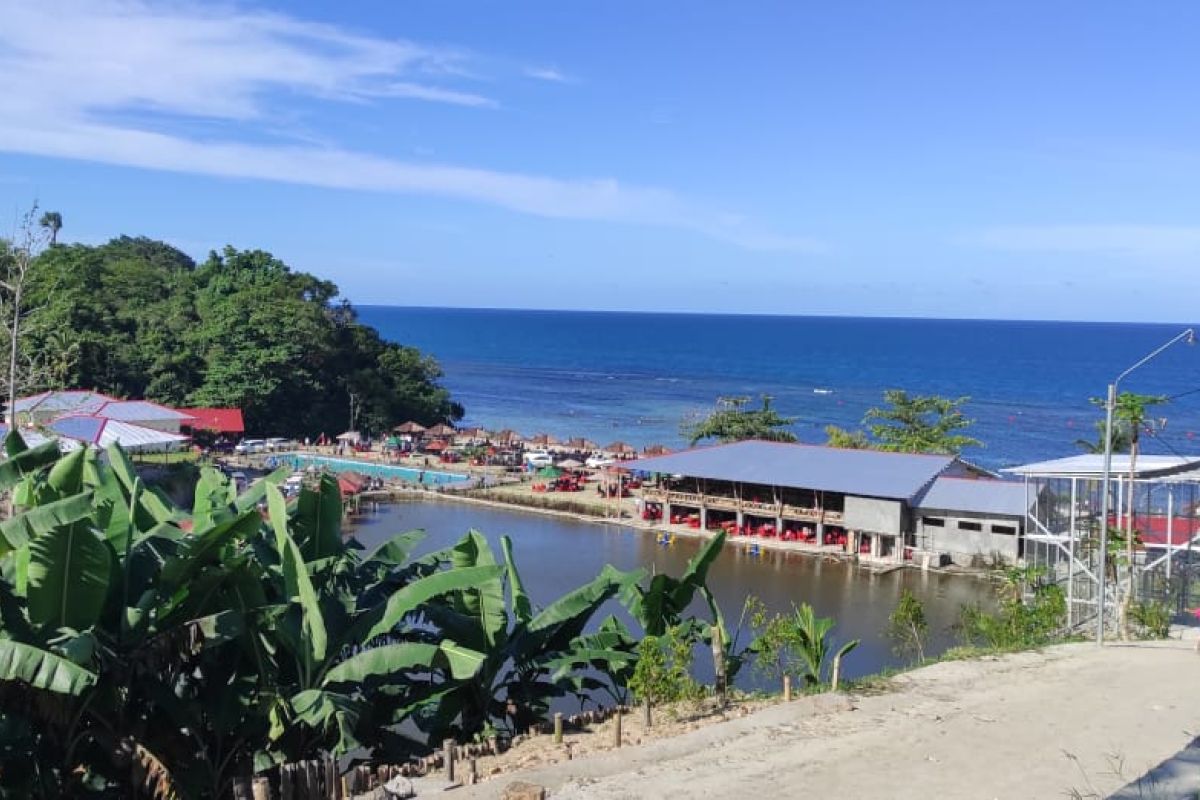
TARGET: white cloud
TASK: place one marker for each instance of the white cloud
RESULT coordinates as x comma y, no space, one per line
1150,241
74,73
552,74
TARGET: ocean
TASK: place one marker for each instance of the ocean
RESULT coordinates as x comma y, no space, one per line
636,377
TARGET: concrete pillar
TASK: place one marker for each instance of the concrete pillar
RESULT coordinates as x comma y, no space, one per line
778,525
666,507
703,518
741,518
820,533
874,545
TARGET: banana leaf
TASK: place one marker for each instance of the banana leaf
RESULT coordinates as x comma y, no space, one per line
42,669
383,618
318,520
258,490
522,609
299,586
396,550
152,501
14,444
486,601
18,530
69,573
203,548
27,462
66,476
213,497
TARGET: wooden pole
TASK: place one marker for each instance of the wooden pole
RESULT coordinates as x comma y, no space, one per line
646,718
472,772
558,728
617,728
448,748
837,672
787,688
260,789
718,651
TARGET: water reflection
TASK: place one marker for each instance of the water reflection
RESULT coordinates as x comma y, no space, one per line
556,555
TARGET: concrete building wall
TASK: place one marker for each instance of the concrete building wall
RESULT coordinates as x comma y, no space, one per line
966,546
873,515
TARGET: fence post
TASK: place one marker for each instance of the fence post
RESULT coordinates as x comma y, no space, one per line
787,688
617,729
558,727
646,718
260,789
837,672
448,747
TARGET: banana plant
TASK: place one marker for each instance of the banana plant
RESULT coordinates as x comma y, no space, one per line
524,649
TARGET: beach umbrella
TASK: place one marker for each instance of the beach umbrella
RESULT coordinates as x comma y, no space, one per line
409,427
436,446
549,472
441,429
570,463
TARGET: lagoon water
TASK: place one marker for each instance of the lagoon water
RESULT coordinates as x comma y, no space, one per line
555,555
634,377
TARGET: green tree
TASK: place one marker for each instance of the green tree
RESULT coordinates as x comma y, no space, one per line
138,318
909,424
908,627
733,421
52,222
847,440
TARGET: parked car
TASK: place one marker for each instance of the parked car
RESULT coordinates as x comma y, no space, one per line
249,446
598,461
278,444
538,458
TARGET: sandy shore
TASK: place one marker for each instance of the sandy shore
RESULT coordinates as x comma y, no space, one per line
1072,718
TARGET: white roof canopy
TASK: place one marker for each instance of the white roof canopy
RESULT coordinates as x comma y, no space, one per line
1092,466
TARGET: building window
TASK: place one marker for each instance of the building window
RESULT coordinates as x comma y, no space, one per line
963,525
933,522
1011,530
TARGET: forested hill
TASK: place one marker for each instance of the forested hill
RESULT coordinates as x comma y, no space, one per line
138,318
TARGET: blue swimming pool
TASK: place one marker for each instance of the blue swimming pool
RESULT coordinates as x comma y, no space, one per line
428,477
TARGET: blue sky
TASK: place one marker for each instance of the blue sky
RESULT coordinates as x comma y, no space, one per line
1007,160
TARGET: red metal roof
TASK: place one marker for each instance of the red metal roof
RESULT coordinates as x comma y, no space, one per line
217,420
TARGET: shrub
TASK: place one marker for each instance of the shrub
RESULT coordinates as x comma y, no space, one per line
1152,619
908,627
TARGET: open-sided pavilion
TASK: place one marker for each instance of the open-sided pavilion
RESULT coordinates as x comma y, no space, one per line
1063,524
869,500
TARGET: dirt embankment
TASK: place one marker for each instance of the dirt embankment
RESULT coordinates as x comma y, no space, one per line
1071,718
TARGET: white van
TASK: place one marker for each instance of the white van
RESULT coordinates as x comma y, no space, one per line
538,458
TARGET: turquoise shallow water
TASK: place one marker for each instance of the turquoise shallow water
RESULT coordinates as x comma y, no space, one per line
428,477
635,377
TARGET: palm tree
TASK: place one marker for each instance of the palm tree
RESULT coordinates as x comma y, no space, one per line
52,221
1120,440
1129,415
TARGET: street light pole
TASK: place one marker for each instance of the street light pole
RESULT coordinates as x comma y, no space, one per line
1110,404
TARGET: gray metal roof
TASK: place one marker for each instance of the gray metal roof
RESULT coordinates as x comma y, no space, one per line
867,473
979,496
1092,466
